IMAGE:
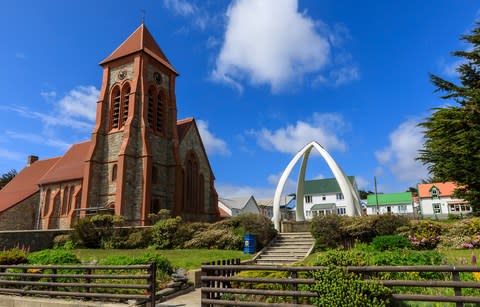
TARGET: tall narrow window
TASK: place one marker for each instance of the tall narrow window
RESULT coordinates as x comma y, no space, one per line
154,175
115,102
150,108
46,205
70,200
194,185
160,106
114,172
65,201
125,103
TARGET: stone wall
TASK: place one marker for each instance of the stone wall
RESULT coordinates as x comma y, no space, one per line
20,216
32,239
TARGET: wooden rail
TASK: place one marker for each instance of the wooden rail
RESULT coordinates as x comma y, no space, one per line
223,289
106,282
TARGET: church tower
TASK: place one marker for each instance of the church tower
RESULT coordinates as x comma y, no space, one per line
133,165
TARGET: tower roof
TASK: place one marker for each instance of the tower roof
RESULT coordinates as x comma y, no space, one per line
140,40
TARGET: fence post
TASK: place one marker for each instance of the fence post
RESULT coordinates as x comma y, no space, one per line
205,284
293,276
153,282
458,291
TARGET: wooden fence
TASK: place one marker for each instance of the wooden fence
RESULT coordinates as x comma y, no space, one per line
106,282
220,286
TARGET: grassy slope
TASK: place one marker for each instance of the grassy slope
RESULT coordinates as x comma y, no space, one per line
181,258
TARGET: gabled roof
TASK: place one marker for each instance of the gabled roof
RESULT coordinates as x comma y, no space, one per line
25,183
223,213
68,167
324,186
235,202
445,188
401,198
140,40
182,127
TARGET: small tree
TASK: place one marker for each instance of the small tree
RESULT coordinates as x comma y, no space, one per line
7,177
452,133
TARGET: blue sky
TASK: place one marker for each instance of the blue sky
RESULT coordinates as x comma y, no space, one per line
262,78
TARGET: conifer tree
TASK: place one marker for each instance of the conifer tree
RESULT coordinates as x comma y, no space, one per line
452,133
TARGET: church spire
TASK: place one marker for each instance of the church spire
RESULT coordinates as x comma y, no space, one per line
140,40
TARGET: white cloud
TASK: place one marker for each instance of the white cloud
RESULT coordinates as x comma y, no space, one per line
269,42
323,128
197,15
399,156
231,190
20,56
450,69
75,110
362,183
11,155
213,145
48,95
38,139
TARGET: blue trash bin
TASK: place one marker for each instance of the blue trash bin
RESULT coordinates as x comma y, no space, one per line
249,246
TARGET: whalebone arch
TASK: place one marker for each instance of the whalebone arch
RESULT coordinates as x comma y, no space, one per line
350,196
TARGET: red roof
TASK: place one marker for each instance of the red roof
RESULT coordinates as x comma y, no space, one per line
183,126
445,188
223,213
140,40
70,166
25,184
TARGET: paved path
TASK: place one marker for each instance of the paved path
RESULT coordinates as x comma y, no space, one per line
191,299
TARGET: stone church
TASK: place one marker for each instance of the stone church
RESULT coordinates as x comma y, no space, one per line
139,160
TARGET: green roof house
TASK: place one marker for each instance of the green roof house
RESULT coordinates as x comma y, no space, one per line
395,203
324,197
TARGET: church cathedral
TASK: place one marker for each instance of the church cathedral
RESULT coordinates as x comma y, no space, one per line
139,160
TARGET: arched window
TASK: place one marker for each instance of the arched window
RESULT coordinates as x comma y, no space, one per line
46,205
160,112
154,175
114,172
71,203
125,103
201,194
193,185
151,107
78,199
65,200
115,107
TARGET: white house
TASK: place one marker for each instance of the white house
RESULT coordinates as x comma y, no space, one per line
438,200
234,206
394,203
324,197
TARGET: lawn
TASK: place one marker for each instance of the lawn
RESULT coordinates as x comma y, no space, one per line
187,259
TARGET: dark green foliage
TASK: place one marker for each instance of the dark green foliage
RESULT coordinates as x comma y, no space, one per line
53,256
163,232
336,287
215,239
326,231
351,257
387,224
391,242
163,264
7,177
97,231
13,256
425,234
452,133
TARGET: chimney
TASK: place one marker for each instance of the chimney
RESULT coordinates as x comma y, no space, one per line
31,159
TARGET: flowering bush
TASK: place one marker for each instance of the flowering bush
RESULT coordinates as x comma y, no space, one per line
472,242
425,235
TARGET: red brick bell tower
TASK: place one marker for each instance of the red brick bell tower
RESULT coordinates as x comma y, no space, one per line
133,165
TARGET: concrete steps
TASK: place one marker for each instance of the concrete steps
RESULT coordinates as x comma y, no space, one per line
286,249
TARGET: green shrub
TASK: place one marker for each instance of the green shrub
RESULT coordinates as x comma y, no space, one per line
215,239
53,256
425,235
388,224
326,231
97,231
358,228
163,232
186,232
13,256
163,264
351,257
382,243
337,287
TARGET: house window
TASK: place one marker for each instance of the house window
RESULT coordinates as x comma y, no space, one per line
308,199
324,197
435,193
436,208
402,208
114,172
339,196
341,211
389,209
